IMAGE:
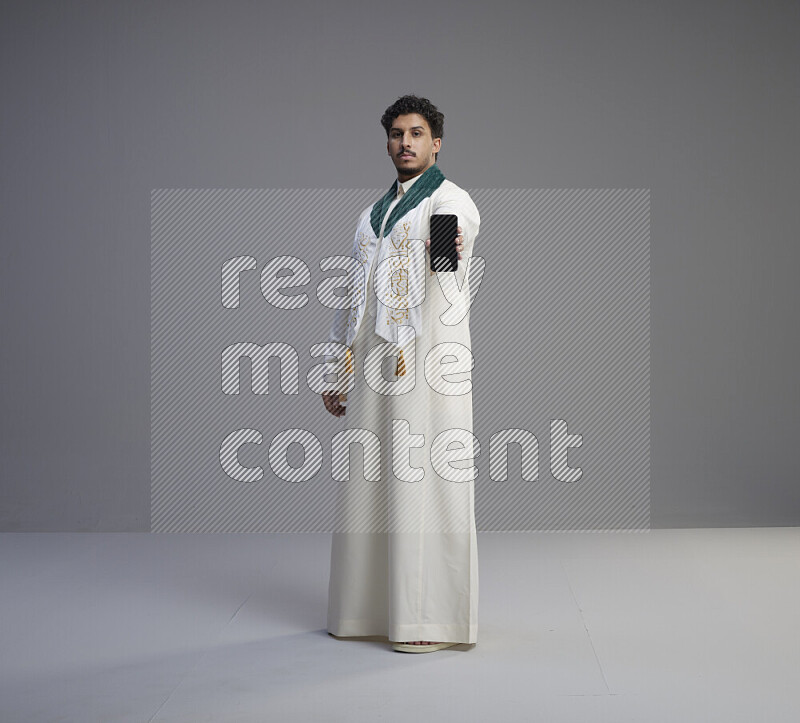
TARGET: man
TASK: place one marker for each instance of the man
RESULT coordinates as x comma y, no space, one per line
418,584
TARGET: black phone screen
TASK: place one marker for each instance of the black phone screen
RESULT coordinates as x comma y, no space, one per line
444,256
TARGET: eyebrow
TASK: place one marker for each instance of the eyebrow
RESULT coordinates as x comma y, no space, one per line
395,128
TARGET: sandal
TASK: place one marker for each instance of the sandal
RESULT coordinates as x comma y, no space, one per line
411,648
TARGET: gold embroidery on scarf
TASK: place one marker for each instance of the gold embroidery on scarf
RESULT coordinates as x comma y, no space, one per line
399,260
396,295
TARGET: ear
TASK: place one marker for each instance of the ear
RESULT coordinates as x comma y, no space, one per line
437,144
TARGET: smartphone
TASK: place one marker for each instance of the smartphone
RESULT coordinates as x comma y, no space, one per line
444,256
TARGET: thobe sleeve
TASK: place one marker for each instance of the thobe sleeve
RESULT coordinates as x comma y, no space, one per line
341,317
457,201
460,204
338,334
338,328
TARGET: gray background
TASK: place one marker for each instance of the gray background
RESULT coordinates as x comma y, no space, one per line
102,102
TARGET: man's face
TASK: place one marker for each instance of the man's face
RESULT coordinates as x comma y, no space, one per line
411,145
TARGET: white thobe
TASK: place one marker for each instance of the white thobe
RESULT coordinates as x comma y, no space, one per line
420,584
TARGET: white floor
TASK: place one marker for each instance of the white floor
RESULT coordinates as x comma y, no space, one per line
666,625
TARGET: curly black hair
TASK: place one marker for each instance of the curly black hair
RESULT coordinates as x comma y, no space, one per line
413,104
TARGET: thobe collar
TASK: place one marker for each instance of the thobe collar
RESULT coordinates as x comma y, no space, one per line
417,190
403,188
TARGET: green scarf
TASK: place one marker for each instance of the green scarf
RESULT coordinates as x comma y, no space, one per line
427,183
